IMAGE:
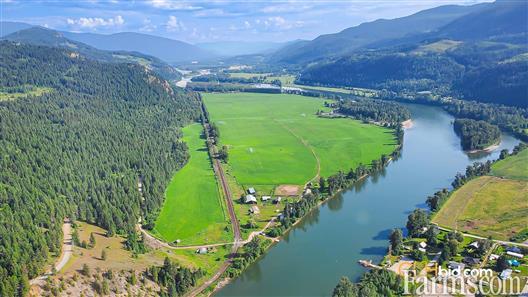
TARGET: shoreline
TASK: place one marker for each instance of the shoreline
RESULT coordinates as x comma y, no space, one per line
486,149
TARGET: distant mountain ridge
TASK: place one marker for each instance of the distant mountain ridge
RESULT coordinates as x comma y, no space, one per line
169,50
52,38
480,56
239,48
332,45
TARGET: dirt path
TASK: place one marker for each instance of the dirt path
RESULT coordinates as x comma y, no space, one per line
66,253
308,146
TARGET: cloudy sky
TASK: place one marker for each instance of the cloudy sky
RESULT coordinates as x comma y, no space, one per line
214,20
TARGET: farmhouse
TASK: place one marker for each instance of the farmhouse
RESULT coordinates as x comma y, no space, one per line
250,199
251,191
266,198
474,244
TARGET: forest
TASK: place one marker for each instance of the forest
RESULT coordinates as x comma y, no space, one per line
79,150
476,135
380,111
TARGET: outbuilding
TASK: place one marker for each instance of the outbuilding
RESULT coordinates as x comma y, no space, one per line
201,251
254,209
251,191
266,198
506,273
516,255
250,199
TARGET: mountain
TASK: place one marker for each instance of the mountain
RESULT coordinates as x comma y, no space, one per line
332,45
480,56
169,50
48,37
238,48
7,28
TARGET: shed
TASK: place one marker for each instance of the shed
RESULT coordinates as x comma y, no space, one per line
423,245
250,199
422,250
474,244
506,273
254,209
514,263
251,191
455,265
277,200
201,250
513,254
493,257
471,261
266,198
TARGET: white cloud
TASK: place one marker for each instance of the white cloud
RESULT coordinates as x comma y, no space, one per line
148,26
96,22
173,24
278,22
285,8
173,5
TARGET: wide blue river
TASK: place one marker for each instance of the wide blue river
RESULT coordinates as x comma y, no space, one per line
355,225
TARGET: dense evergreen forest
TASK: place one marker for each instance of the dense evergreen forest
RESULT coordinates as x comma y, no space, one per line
380,111
377,282
476,135
79,150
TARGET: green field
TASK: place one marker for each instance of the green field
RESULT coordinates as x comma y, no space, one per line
491,205
276,139
515,167
246,74
14,93
193,208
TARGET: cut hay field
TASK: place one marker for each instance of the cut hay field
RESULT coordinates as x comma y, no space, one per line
494,206
277,139
193,209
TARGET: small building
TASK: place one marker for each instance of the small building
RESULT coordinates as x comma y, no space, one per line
250,199
266,198
514,263
493,257
308,191
471,261
201,251
254,209
422,244
456,266
474,244
516,255
251,191
506,274
277,200
422,250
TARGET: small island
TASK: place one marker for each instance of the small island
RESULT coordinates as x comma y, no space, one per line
476,135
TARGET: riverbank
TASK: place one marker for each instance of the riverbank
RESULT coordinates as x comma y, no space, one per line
408,124
488,149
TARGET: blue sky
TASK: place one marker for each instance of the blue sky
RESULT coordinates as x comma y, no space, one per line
207,21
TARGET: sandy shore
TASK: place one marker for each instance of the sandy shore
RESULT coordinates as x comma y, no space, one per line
407,124
486,149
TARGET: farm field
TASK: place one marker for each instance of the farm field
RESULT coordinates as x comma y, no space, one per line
193,210
494,206
277,139
515,167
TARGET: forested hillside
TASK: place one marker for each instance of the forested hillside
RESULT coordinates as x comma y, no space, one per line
78,150
468,58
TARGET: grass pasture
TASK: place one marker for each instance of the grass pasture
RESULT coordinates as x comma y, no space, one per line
193,209
514,167
14,93
276,139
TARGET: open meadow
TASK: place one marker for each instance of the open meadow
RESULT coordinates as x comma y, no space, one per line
276,139
193,210
494,206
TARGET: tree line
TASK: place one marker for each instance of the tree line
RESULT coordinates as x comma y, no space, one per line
384,112
476,135
79,151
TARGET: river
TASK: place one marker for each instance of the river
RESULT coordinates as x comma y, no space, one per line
355,224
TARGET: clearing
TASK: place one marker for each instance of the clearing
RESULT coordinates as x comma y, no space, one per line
193,210
494,206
